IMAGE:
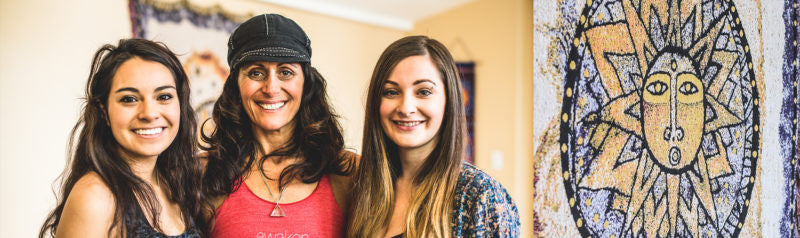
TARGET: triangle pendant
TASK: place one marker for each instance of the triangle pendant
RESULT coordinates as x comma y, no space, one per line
277,211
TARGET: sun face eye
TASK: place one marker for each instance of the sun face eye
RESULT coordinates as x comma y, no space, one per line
688,88
657,88
691,88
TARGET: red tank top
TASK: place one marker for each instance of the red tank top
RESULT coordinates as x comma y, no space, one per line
243,214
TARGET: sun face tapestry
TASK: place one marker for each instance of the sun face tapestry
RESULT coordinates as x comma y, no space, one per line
657,131
198,36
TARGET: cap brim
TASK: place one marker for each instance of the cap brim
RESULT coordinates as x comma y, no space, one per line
269,54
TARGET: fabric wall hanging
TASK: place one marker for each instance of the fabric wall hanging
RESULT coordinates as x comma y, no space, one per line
466,71
648,118
788,127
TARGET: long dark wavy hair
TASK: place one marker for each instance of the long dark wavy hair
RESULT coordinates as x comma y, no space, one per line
432,200
97,150
317,138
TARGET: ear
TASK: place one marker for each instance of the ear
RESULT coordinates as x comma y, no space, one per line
103,109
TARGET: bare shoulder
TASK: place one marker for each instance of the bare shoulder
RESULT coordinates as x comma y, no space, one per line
91,194
89,209
342,185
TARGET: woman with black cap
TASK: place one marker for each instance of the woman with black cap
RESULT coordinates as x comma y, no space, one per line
276,162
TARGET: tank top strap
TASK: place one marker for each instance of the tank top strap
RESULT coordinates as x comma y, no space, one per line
136,225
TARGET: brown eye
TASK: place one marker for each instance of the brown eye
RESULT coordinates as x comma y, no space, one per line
286,74
425,92
256,75
390,93
165,97
688,88
128,99
657,88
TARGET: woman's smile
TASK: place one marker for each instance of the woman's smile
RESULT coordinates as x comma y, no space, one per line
271,106
408,125
151,132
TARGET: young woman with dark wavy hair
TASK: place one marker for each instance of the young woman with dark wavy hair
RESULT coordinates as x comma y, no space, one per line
276,162
132,172
412,180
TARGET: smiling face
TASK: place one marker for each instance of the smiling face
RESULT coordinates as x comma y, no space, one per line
271,93
143,108
673,111
412,102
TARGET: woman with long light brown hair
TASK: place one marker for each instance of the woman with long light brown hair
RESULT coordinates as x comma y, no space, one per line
412,180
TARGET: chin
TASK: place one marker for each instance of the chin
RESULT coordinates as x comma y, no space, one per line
409,144
147,152
270,126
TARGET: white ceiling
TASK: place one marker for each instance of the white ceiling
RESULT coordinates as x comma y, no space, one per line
398,14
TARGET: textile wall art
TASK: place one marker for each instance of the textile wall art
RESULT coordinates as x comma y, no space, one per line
666,118
198,35
466,71
788,125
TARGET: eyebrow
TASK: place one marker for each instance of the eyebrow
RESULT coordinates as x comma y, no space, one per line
164,88
286,63
262,65
127,89
419,81
134,90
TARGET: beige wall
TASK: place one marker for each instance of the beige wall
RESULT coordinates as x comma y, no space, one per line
498,36
45,52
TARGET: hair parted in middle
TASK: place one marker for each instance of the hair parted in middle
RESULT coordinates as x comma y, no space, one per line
431,203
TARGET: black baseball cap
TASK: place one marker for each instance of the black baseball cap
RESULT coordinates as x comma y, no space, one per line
268,37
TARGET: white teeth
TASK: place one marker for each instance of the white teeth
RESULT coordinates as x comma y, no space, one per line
411,123
148,131
271,106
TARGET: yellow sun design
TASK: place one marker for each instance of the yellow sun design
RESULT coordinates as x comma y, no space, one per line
677,65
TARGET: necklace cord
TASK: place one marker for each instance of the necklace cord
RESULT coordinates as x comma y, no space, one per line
264,178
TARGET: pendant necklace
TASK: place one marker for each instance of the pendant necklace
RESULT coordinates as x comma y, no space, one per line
276,211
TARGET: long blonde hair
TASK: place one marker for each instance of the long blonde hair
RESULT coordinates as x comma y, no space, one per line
432,199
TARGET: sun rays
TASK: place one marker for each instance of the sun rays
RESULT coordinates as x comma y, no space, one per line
659,136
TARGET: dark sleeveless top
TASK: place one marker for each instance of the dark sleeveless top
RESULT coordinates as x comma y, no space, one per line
137,226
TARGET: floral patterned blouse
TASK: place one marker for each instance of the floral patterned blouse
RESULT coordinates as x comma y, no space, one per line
483,207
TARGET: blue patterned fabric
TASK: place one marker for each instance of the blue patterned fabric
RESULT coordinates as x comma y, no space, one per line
483,207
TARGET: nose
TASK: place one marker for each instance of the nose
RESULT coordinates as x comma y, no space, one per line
271,85
674,131
148,111
673,135
408,106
